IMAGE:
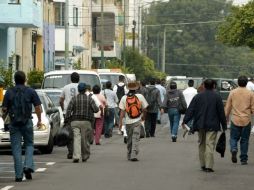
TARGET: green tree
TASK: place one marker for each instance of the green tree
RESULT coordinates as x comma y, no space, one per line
238,30
6,75
35,78
195,51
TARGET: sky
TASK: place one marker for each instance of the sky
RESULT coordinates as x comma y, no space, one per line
240,2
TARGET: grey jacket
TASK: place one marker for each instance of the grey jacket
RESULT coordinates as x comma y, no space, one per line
153,94
172,98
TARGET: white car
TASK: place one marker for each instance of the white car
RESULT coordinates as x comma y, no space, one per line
43,136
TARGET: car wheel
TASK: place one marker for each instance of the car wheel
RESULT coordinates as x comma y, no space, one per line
48,148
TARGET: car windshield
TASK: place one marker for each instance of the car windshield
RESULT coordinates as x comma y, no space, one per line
112,78
55,97
60,80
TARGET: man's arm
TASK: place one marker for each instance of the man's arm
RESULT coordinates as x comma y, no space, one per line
61,102
38,111
122,114
228,106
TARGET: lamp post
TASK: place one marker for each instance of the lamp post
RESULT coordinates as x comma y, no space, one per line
164,48
66,25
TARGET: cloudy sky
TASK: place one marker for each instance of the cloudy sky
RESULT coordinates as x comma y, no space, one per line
239,2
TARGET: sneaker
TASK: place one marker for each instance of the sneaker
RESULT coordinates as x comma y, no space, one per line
134,159
18,179
244,163
234,158
75,160
203,168
174,139
28,173
69,156
209,170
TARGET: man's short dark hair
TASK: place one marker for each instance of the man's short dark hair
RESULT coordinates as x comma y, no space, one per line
152,81
209,84
191,83
242,81
173,85
74,77
108,85
158,81
20,77
96,89
121,78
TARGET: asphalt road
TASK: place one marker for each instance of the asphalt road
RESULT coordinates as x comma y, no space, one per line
163,165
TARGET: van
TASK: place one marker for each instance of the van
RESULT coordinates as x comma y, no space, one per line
60,78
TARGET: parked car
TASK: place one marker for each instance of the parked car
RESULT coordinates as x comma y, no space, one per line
44,136
58,79
54,95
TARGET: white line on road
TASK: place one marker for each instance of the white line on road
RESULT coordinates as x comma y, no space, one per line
50,163
7,187
41,170
9,163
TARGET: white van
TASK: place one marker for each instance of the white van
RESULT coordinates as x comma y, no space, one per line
60,78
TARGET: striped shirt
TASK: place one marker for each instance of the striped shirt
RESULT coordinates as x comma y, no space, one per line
81,107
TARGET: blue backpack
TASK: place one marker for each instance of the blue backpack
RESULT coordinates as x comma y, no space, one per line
20,111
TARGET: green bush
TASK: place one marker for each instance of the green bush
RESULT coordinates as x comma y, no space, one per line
6,76
35,78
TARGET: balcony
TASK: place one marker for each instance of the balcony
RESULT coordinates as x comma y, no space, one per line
24,14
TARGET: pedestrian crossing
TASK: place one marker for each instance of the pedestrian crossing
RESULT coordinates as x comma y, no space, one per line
7,173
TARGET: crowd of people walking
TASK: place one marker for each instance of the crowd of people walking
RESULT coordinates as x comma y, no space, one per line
130,107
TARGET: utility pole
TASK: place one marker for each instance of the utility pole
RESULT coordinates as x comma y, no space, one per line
158,50
66,26
124,35
102,35
133,34
163,51
139,28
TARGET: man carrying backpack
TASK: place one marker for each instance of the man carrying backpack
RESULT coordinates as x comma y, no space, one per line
154,101
17,104
120,90
133,108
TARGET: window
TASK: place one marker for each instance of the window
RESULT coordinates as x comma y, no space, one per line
75,16
59,14
14,1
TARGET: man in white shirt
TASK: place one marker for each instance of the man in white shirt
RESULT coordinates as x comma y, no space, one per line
188,94
250,84
162,90
69,91
133,125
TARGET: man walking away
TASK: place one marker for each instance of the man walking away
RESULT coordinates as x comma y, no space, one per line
133,108
207,111
80,113
154,101
120,90
162,90
240,104
189,93
17,104
69,91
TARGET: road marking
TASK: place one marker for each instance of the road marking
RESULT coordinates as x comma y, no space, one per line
41,170
50,163
7,187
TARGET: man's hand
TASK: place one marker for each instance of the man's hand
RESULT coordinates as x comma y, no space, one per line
162,111
39,124
183,125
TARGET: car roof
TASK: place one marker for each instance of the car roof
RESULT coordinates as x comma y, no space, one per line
57,72
49,90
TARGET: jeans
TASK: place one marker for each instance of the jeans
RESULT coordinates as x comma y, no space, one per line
240,133
16,134
174,118
109,122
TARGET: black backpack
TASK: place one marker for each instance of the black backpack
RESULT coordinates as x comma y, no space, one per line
20,111
151,97
120,92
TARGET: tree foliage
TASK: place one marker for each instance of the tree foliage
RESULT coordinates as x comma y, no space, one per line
195,51
6,76
238,30
35,78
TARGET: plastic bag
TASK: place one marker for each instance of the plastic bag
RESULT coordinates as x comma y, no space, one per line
64,135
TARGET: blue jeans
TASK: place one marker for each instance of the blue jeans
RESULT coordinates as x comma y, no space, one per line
240,133
174,118
16,134
109,121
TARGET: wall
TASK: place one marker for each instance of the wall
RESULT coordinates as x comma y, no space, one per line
3,45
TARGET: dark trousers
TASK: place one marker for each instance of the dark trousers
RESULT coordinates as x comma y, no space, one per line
150,124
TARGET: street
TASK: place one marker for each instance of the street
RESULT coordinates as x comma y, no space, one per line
163,165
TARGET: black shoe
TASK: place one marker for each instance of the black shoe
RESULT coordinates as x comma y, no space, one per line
158,121
174,139
28,173
234,158
69,156
134,159
85,159
209,170
152,136
98,143
76,161
125,140
203,168
244,163
18,179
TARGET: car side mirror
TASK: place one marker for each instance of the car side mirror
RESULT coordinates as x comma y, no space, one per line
52,110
